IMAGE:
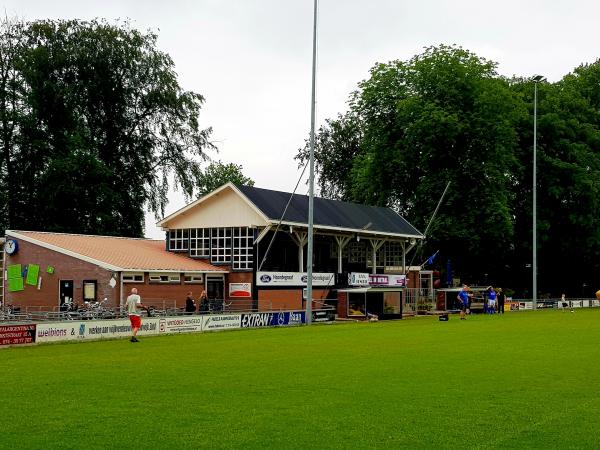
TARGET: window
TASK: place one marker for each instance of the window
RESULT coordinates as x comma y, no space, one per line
243,237
173,278
178,240
220,243
393,254
392,303
380,255
89,290
192,278
356,252
133,277
357,304
200,242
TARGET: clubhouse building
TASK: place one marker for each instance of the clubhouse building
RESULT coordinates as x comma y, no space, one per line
242,244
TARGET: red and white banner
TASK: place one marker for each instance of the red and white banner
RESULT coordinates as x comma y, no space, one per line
387,280
17,334
240,290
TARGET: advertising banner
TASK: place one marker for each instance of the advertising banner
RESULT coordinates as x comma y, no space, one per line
387,280
358,279
273,319
92,329
254,320
240,290
293,279
17,334
185,324
220,322
284,318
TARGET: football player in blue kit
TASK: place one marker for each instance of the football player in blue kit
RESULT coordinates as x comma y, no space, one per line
463,298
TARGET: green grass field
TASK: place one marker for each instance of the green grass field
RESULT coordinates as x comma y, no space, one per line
526,380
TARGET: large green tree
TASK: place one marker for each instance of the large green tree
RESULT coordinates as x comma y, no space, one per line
568,190
445,115
100,128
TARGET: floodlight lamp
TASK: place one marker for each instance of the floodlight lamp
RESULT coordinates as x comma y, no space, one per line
537,78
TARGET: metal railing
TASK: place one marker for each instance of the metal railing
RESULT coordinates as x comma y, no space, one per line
417,300
96,310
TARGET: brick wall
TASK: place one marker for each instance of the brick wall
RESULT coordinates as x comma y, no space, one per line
342,304
65,268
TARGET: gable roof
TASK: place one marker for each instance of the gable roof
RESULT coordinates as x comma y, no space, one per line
117,253
329,213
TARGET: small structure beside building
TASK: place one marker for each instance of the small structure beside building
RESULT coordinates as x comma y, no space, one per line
53,269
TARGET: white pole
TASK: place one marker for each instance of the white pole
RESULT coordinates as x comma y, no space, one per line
534,265
311,183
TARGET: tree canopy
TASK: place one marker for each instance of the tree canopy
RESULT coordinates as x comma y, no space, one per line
218,173
447,115
94,124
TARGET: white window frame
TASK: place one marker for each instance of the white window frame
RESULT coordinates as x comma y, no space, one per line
243,252
131,277
164,278
193,278
357,252
380,255
393,255
220,245
179,240
200,243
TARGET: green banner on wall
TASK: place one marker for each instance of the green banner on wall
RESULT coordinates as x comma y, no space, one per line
33,272
15,284
14,271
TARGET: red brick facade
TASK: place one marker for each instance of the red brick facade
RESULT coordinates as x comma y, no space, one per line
65,268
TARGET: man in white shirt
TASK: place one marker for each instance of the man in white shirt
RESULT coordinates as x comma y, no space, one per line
134,305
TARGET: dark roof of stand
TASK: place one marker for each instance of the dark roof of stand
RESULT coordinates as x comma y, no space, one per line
328,213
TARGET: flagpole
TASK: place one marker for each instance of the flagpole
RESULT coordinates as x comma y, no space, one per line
311,179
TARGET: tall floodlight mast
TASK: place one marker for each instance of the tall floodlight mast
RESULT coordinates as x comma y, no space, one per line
311,177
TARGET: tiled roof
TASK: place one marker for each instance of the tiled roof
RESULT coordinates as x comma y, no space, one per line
122,253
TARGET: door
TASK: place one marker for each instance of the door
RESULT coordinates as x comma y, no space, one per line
65,292
215,288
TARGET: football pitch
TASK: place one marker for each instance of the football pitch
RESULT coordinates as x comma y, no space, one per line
522,380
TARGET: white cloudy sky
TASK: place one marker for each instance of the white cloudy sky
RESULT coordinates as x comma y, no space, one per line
251,59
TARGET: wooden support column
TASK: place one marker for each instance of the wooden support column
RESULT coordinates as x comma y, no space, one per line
375,245
301,238
342,241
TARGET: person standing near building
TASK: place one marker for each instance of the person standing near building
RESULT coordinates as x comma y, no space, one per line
203,303
134,305
463,298
501,298
491,297
190,304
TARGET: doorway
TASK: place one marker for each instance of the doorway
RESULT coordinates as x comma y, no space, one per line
215,288
65,292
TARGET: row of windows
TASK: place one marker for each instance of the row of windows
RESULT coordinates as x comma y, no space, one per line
389,255
220,245
234,245
172,278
